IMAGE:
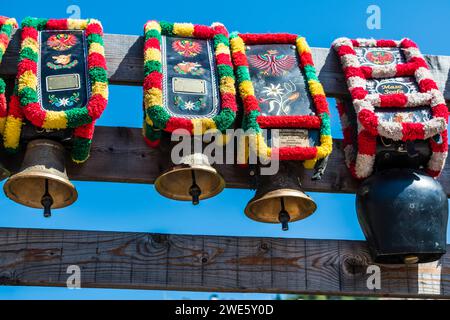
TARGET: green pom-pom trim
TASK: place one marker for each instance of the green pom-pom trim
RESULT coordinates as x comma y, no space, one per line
234,34
225,70
220,38
326,125
27,53
159,116
153,34
151,133
78,117
310,72
2,86
98,74
243,73
249,122
80,149
151,66
27,95
224,119
166,28
7,29
37,23
93,37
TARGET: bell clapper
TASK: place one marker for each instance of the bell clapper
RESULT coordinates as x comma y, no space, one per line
284,216
195,190
47,201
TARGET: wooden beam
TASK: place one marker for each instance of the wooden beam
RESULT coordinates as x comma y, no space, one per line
124,55
120,154
31,257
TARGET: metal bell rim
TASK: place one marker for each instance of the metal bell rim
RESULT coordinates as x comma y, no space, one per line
12,179
186,167
275,194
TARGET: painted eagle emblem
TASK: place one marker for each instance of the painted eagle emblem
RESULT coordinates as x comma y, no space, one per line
187,47
272,64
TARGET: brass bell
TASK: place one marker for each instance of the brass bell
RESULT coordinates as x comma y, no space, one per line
279,198
42,181
4,173
194,179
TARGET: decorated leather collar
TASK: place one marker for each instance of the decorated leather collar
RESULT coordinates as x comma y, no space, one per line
281,96
368,65
168,110
26,106
6,27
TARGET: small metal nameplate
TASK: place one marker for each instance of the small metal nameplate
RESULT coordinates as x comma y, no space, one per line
293,138
187,85
63,82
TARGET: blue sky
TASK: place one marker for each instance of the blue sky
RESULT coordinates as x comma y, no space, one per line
132,207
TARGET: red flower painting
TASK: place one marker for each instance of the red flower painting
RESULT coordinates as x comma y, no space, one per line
380,57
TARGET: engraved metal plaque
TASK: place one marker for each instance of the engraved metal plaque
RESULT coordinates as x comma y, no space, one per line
189,85
293,138
280,85
63,82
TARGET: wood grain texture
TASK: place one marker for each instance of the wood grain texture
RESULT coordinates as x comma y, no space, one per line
120,154
124,148
124,55
205,263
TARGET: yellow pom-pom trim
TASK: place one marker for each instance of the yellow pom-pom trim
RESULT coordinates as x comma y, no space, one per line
27,79
53,119
153,97
325,148
77,24
183,29
238,45
302,45
2,125
101,88
153,25
152,54
310,164
96,48
227,85
11,135
246,89
316,88
221,48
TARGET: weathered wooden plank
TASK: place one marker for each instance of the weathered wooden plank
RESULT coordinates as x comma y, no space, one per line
125,63
124,148
35,257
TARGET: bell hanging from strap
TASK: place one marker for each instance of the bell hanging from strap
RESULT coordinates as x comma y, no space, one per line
403,213
192,179
279,198
42,181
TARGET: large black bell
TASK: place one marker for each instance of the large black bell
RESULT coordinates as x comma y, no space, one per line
403,214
